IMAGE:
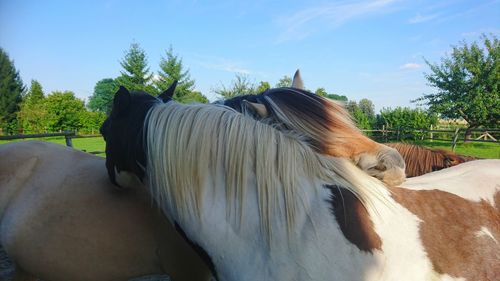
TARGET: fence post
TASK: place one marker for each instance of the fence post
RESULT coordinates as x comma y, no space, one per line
455,138
67,136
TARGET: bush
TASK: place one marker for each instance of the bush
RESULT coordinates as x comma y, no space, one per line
406,120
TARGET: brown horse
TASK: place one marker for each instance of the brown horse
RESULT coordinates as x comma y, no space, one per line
325,124
61,219
421,160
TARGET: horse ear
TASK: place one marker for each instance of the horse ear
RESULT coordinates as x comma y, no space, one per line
297,81
121,102
260,109
168,93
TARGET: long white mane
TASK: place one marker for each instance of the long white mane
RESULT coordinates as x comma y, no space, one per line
192,146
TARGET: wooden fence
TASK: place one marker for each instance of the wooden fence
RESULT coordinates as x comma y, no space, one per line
68,136
380,135
455,135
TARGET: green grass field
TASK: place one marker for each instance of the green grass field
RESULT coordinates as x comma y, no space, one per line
86,144
476,149
481,150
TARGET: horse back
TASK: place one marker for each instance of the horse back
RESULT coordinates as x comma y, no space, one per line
64,220
459,213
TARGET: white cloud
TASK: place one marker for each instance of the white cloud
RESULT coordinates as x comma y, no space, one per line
422,18
480,32
410,66
223,64
301,24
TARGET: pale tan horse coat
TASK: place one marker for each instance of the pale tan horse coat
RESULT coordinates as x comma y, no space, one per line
61,219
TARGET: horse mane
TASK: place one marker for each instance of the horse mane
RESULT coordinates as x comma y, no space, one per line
421,160
189,146
325,123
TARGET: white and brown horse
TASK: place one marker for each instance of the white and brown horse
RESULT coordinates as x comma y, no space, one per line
61,219
325,125
266,206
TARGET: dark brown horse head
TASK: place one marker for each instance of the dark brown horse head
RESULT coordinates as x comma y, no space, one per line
422,160
124,134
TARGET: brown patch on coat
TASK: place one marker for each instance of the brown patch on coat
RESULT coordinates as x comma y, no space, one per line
449,232
496,199
354,220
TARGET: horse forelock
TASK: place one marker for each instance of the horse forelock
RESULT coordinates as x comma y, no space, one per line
189,144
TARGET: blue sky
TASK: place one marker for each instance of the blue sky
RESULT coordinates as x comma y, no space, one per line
358,48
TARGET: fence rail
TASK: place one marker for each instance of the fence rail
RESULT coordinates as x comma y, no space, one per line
487,135
382,135
68,137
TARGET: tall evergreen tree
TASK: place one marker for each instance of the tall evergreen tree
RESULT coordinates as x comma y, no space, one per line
11,89
32,115
171,69
35,92
136,75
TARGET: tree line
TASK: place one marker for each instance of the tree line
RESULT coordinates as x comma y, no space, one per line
466,84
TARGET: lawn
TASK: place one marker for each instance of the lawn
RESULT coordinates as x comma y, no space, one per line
476,149
86,144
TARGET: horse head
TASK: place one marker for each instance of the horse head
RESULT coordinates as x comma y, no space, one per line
326,125
123,132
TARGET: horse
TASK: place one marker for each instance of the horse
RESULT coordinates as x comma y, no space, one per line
61,219
264,205
325,124
421,160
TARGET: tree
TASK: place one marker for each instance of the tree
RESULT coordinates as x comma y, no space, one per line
11,89
90,122
263,85
467,83
285,81
193,96
102,98
33,113
337,97
171,69
136,75
406,120
35,93
241,85
64,111
321,92
351,107
362,121
367,107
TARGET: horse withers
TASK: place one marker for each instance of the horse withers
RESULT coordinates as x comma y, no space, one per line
265,206
61,219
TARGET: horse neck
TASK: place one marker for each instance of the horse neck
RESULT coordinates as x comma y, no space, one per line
316,250
351,144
